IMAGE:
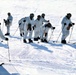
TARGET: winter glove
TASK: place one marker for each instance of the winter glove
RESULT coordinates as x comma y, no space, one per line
53,28
48,25
6,22
29,27
73,23
21,34
34,27
48,21
64,24
24,20
19,24
70,24
6,39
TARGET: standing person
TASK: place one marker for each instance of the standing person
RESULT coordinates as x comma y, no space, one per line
1,34
45,30
8,22
28,28
21,23
43,20
37,26
66,24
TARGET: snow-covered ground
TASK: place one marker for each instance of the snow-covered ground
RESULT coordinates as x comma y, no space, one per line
38,58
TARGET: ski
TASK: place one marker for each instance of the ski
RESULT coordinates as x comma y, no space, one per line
74,43
58,42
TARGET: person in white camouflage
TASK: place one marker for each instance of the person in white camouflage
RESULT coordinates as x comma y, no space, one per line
1,35
28,28
8,22
66,25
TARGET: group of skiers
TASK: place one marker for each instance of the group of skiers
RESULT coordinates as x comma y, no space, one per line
40,27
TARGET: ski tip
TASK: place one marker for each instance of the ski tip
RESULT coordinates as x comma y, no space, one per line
1,64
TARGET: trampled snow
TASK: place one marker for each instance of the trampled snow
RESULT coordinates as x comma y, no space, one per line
38,58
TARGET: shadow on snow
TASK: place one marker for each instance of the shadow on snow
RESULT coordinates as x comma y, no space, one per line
15,37
3,45
56,44
41,47
59,44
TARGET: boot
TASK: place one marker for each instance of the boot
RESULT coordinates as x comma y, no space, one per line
30,41
45,41
7,34
35,39
20,34
63,41
42,40
38,38
24,41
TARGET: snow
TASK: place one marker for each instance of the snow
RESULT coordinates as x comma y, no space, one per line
38,58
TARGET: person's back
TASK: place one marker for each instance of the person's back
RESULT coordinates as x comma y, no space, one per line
28,28
29,21
21,24
65,22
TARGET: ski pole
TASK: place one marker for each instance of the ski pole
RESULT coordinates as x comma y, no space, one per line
3,26
70,34
51,34
36,8
8,51
0,25
58,36
15,31
60,33
0,29
1,32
